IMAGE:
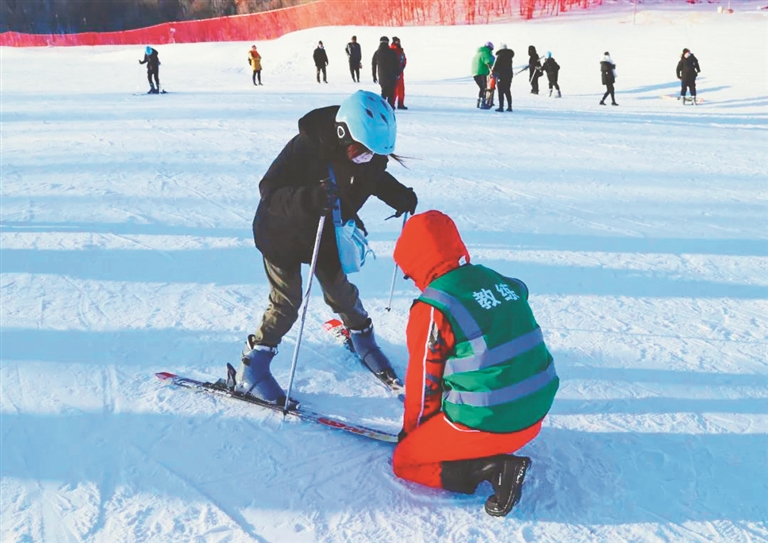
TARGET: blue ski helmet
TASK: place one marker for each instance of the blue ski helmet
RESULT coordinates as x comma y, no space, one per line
367,118
549,54
148,50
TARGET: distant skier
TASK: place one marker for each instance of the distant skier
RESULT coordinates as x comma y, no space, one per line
354,55
552,69
534,69
608,71
687,70
502,70
254,59
482,63
350,142
386,70
400,85
152,60
321,61
480,379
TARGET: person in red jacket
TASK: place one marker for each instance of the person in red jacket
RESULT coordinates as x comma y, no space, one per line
400,86
479,380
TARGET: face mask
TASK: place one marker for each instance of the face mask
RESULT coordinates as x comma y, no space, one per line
364,158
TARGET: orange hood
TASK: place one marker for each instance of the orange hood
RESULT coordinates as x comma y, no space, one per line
429,246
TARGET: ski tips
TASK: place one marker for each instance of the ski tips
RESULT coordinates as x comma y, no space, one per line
165,376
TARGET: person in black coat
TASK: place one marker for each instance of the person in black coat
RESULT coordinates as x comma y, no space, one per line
321,61
687,70
295,193
152,60
552,69
608,74
502,69
386,62
355,55
534,69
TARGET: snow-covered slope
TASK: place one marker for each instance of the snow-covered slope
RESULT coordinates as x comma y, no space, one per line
641,231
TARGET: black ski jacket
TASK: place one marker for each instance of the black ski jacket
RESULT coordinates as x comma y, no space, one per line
152,61
320,58
552,68
388,63
354,53
688,68
534,64
286,222
502,68
606,69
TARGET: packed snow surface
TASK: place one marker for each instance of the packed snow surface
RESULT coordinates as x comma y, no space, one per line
641,231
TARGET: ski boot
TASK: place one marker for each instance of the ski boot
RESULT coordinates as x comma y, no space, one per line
550,93
479,101
505,473
559,95
366,348
254,377
152,90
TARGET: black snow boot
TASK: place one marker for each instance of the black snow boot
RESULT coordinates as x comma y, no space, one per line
505,473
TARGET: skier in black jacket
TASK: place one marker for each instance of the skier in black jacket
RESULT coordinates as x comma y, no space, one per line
351,143
687,70
152,60
502,69
608,75
387,63
321,61
354,55
552,69
534,69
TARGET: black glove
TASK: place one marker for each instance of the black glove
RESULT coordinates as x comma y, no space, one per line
401,436
324,196
406,202
375,80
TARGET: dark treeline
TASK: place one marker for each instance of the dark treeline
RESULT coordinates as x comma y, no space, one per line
72,16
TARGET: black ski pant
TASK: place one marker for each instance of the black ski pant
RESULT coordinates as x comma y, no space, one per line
156,75
534,75
553,83
503,86
321,69
482,82
388,92
256,73
688,84
354,70
608,92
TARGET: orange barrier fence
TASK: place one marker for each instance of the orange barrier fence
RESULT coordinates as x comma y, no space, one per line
269,25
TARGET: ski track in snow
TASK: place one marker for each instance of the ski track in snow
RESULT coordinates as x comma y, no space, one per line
640,230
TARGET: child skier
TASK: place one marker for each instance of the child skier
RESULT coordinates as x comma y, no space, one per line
552,68
479,380
152,60
687,70
349,143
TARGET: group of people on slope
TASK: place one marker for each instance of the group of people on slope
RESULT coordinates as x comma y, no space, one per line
387,67
479,380
488,69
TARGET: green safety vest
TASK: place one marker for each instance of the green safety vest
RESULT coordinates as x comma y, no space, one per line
500,376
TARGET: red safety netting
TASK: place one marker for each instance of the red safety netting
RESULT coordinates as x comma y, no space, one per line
269,25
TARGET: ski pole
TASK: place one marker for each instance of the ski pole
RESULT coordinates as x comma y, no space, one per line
394,273
304,305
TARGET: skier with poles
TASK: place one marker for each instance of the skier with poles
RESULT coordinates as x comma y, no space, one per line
534,69
152,60
480,379
335,163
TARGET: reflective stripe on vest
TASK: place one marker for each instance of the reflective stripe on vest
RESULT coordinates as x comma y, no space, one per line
504,395
483,357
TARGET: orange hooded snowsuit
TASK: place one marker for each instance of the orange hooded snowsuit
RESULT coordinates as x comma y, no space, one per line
429,247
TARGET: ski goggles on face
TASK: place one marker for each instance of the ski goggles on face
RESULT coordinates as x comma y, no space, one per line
359,153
